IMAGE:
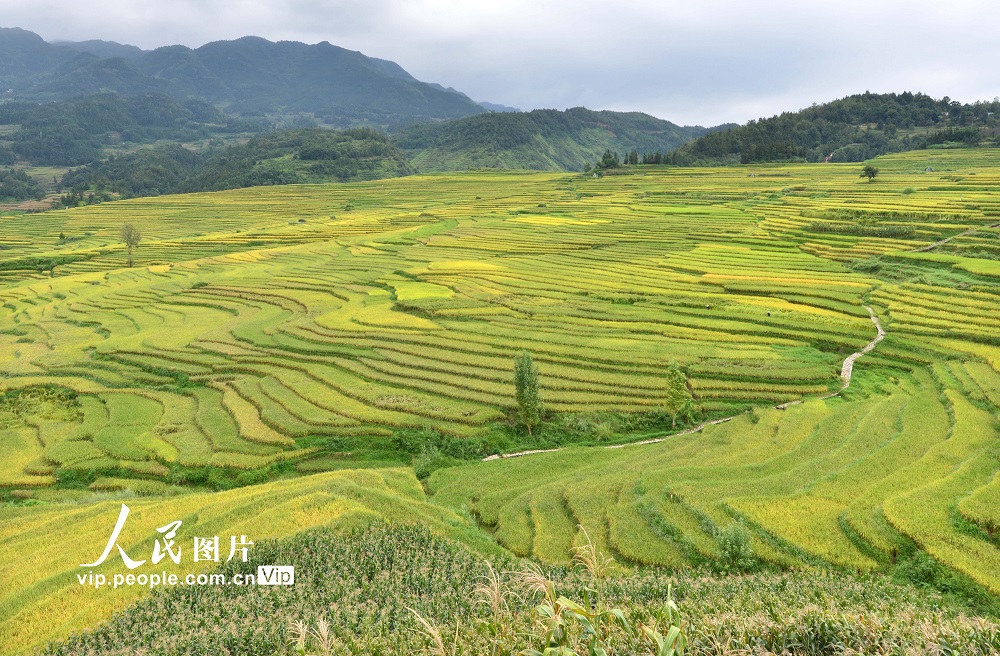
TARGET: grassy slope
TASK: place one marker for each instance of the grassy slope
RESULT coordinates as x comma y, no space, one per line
812,478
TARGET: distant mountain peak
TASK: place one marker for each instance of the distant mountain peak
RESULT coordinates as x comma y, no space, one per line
496,107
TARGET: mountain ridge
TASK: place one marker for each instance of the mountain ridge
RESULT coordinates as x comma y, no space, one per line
249,76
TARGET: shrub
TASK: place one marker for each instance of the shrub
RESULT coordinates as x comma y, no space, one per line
736,553
431,459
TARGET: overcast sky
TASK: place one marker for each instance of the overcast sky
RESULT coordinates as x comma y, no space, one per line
692,62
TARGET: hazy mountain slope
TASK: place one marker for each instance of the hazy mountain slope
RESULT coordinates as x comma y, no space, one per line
497,107
249,75
104,48
25,56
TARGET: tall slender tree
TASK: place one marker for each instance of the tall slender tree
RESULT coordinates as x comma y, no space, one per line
529,400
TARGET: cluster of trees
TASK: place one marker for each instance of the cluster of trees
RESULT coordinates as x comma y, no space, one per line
970,136
344,155
148,172
654,158
16,185
287,157
81,197
852,129
611,160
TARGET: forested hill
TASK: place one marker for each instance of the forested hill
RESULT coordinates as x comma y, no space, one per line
544,139
851,129
249,76
289,157
78,131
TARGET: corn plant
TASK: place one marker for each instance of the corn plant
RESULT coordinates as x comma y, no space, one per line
673,642
361,584
597,564
493,594
565,622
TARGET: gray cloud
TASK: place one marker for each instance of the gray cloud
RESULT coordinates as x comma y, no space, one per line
705,62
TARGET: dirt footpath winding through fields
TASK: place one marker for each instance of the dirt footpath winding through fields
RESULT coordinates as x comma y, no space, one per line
845,375
848,368
931,247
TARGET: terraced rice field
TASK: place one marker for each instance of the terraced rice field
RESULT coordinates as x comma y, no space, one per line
405,311
308,323
909,458
845,481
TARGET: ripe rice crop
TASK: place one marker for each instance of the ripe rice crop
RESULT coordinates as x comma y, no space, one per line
241,343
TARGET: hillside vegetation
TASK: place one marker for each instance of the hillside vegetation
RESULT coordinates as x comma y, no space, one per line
544,139
78,131
126,147
288,157
18,185
851,129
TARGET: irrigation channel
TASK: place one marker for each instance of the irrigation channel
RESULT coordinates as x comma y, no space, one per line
846,371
